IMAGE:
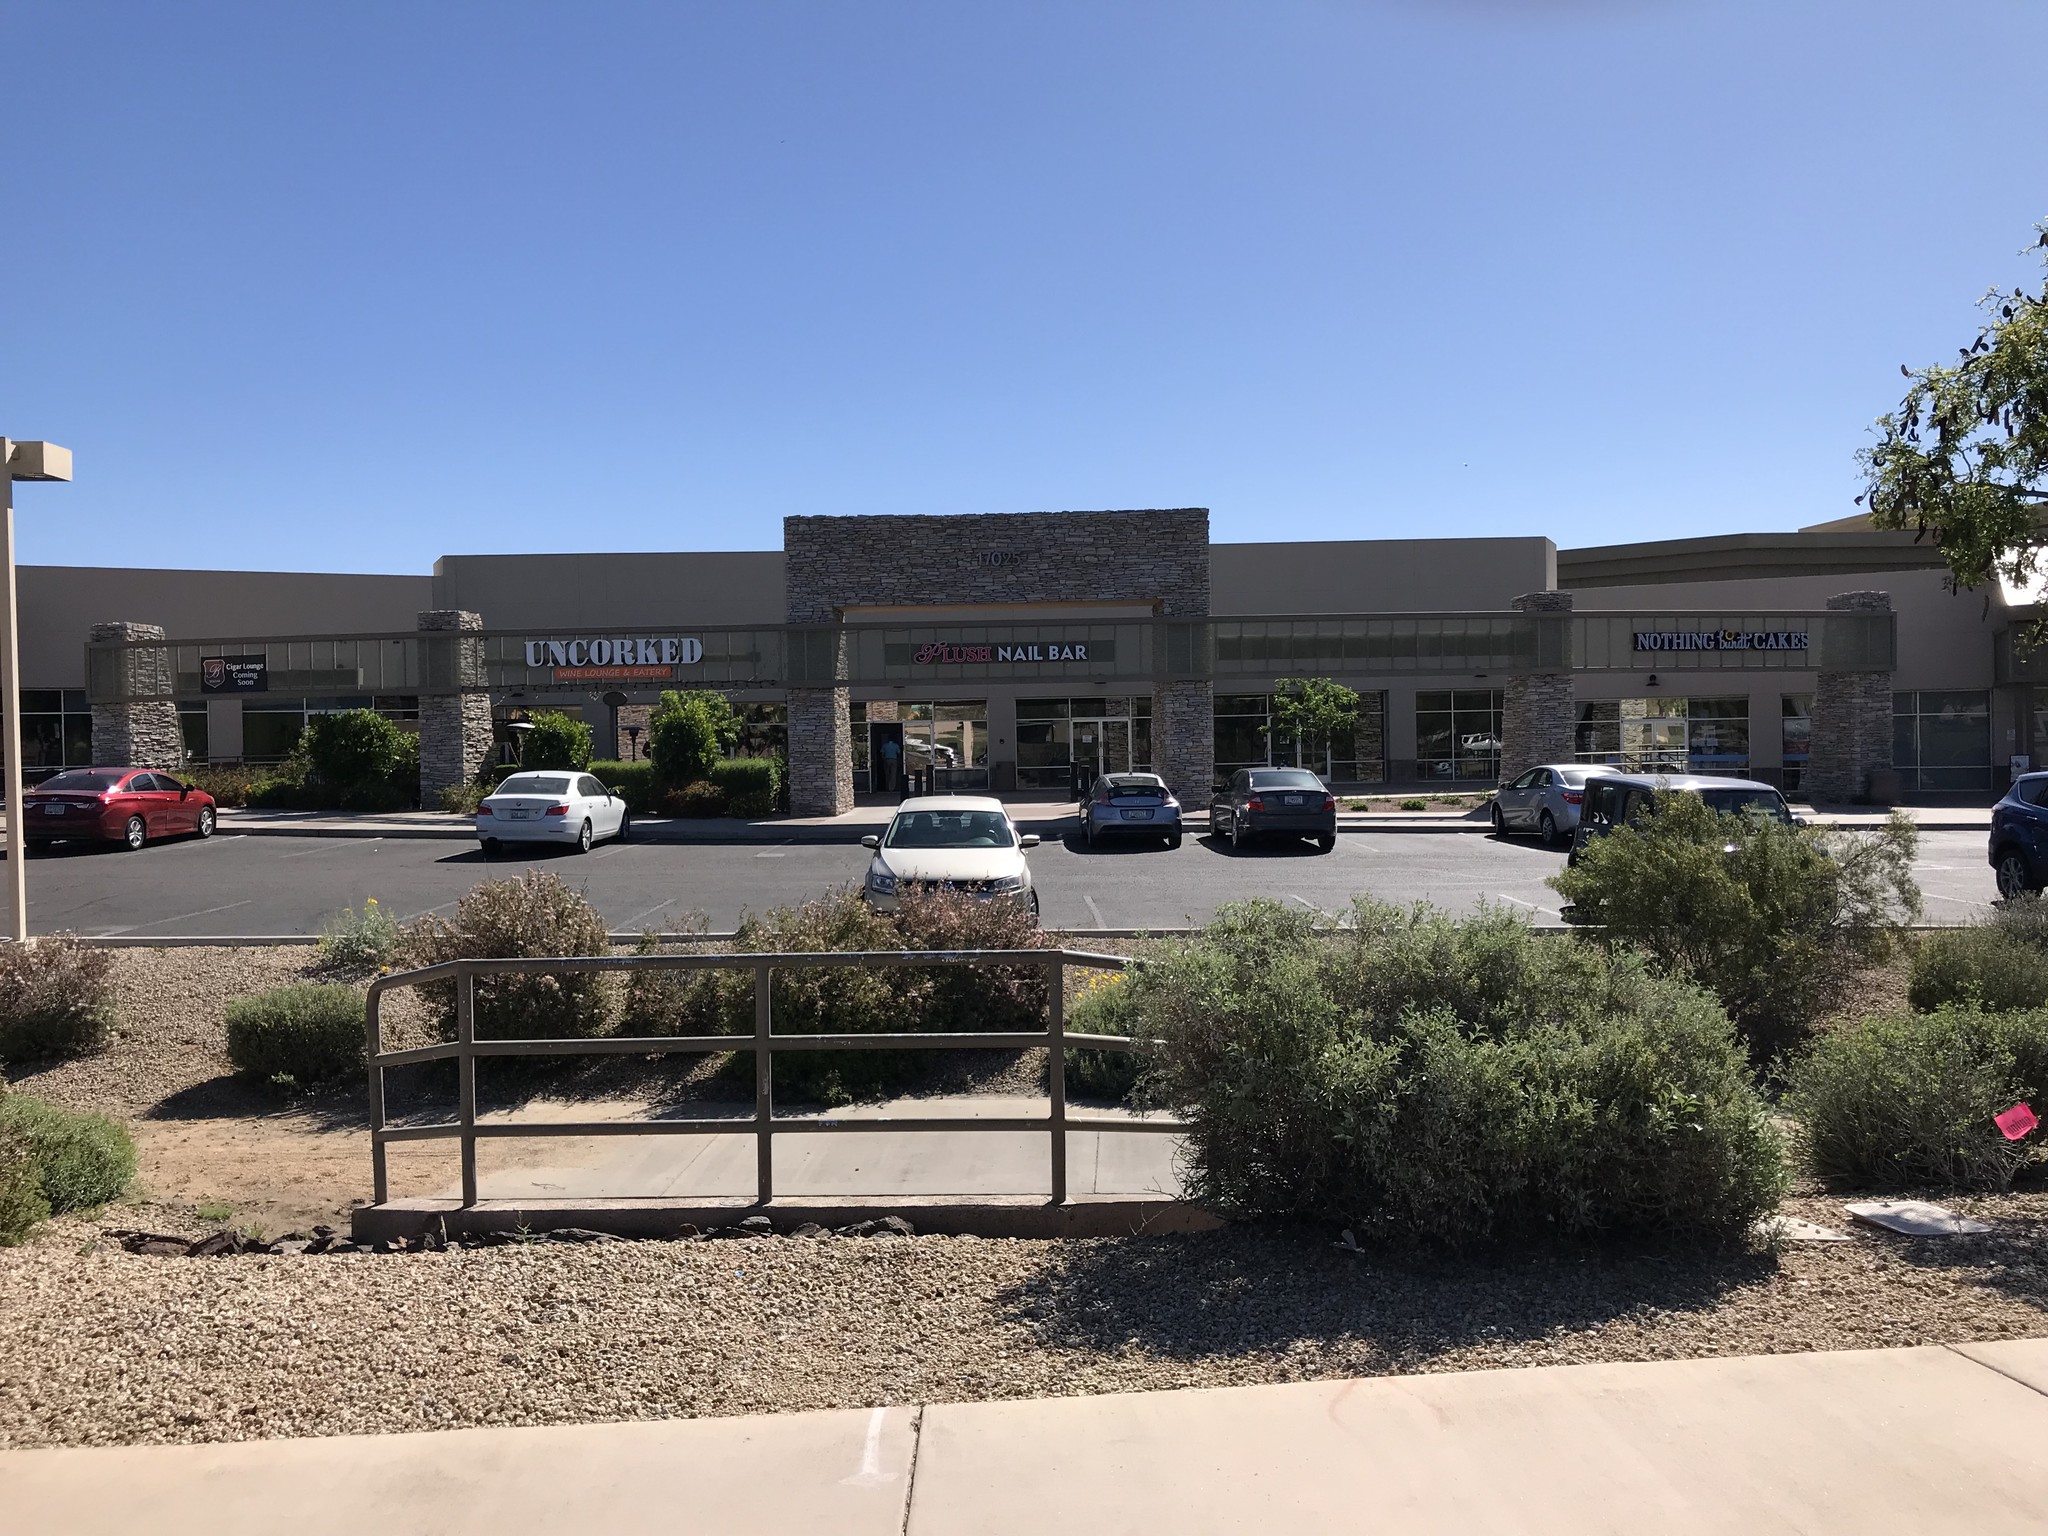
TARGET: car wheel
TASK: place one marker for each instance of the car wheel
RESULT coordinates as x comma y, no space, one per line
1172,840
1500,822
1326,842
490,847
38,845
1236,835
625,827
135,834
1088,833
2015,875
583,838
1547,825
1034,909
206,822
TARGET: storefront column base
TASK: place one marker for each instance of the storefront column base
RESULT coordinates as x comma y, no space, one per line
455,718
131,732
1184,738
1538,708
820,751
1849,758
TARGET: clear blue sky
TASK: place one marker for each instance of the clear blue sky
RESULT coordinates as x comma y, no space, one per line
345,287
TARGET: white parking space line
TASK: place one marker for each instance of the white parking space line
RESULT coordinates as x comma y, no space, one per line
181,917
628,924
330,845
1517,901
1319,912
1094,911
430,911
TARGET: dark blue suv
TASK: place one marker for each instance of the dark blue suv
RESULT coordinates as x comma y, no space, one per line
2019,836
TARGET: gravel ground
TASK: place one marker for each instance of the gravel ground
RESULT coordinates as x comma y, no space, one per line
101,1347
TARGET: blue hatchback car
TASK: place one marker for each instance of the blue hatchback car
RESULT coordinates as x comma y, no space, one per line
1130,805
2019,836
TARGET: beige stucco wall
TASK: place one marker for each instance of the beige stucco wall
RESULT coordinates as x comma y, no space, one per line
598,591
1378,575
1944,637
59,603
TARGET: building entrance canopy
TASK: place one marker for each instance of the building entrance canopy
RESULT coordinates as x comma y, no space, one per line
1224,650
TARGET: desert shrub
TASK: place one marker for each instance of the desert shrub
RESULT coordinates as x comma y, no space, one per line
1414,805
56,998
299,1035
631,782
1768,916
22,1204
1982,966
533,916
463,799
1104,1006
749,784
2024,918
1453,1081
82,1159
687,733
680,1002
959,997
230,784
1906,1100
699,799
352,938
556,741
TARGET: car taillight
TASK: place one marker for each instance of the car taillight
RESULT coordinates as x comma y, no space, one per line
1329,802
1575,797
1255,804
556,810
485,810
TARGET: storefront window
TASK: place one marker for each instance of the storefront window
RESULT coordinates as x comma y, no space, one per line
192,728
1795,720
1242,720
1109,735
271,727
1457,734
1717,736
56,731
1941,740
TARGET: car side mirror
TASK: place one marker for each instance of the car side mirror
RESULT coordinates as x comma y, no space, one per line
871,841
184,790
1028,840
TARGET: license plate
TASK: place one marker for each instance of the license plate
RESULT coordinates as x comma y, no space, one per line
1137,815
1290,799
522,815
53,810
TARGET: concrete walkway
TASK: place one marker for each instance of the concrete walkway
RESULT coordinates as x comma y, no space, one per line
1917,1442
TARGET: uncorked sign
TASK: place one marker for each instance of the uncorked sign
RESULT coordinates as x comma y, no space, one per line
622,658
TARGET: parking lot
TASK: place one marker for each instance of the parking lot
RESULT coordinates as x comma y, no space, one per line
289,885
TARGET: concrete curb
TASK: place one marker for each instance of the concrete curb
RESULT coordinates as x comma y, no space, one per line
1030,1216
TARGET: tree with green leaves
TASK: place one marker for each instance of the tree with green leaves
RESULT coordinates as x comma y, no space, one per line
688,733
1315,712
556,741
1964,459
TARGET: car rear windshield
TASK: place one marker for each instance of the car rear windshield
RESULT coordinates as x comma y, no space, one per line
1143,789
1292,778
1735,801
950,829
533,784
92,780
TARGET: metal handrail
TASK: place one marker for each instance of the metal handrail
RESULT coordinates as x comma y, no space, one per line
466,1048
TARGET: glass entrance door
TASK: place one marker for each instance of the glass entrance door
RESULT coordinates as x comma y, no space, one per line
1101,746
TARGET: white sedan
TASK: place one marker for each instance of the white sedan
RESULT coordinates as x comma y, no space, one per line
551,807
954,843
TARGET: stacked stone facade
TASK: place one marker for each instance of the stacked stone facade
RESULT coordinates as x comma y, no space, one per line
1851,740
820,751
455,726
138,732
1539,707
1184,738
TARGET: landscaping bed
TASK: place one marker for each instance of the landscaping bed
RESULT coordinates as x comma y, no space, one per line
99,1346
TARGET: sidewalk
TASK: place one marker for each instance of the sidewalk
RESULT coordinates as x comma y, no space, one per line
1050,820
1918,1442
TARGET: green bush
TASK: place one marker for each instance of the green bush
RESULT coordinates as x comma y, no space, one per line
1768,916
230,784
1105,1006
298,1035
2024,918
1453,1082
83,1159
352,938
22,1204
359,760
556,741
1984,967
56,998
694,800
536,915
463,799
687,733
1414,805
750,784
1905,1100
631,782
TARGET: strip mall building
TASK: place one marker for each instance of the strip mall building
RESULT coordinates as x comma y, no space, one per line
1001,651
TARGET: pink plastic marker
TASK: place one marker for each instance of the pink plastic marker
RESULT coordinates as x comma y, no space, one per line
2016,1122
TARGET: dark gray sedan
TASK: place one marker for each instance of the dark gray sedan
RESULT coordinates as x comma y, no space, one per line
1276,802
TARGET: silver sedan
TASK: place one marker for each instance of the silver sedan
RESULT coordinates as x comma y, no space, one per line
1544,800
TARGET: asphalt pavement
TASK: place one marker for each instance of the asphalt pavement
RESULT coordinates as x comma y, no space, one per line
245,885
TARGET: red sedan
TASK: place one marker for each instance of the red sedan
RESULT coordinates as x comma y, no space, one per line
119,805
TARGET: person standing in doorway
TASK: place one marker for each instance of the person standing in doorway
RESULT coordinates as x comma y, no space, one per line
892,754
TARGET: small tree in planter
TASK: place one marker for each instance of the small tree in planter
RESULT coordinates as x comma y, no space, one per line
556,741
1315,712
688,733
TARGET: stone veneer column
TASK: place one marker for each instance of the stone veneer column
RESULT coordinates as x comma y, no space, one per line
1852,719
131,732
820,751
1538,713
1184,739
455,726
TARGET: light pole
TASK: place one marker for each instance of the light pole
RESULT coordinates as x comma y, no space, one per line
18,461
